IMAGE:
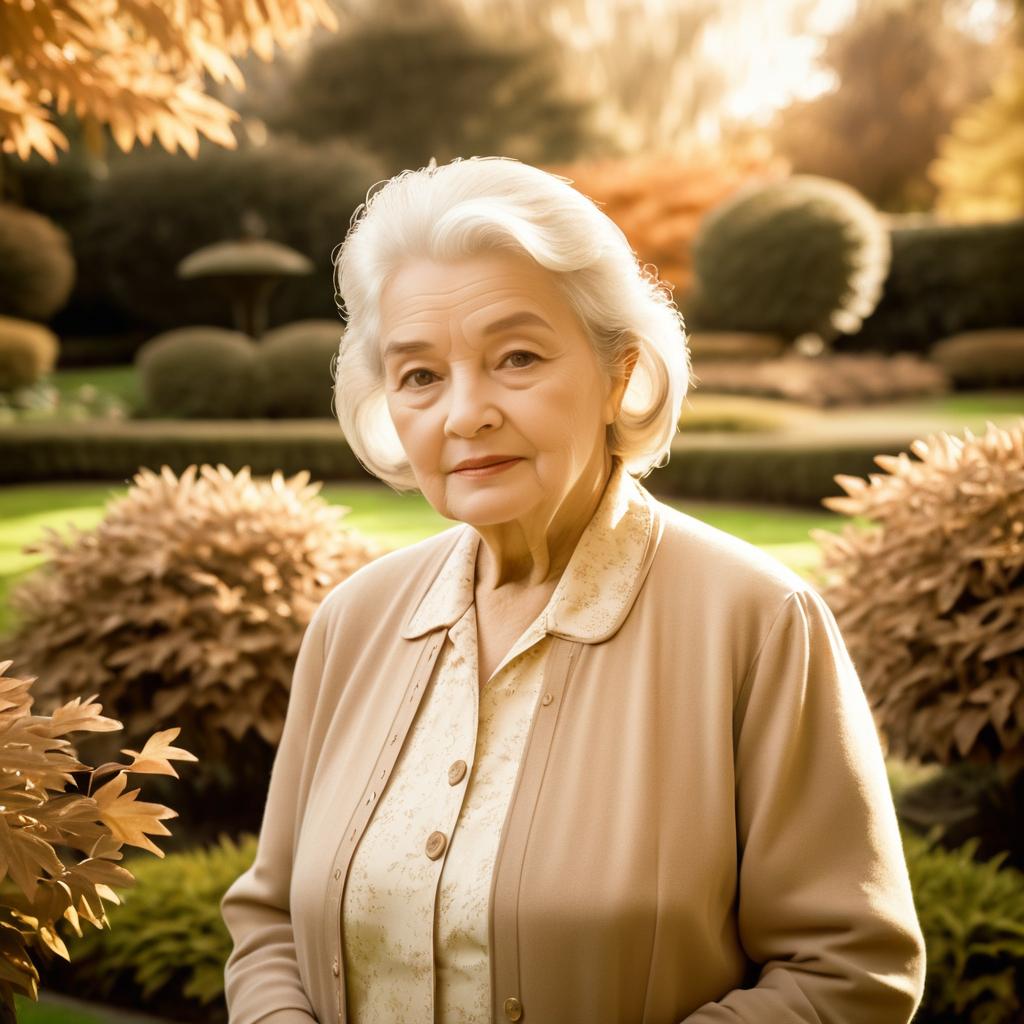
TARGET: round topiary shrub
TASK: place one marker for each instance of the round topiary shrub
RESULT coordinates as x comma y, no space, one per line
983,359
298,364
37,269
28,352
803,256
189,600
200,373
930,596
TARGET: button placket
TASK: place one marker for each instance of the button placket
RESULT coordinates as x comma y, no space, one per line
385,762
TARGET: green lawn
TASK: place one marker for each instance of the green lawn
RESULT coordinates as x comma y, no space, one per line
393,519
119,381
53,1010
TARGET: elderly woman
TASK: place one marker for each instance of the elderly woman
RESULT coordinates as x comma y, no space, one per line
580,759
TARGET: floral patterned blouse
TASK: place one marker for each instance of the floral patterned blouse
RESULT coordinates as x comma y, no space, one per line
415,907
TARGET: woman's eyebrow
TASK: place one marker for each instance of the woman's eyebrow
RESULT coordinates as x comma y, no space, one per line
506,323
522,319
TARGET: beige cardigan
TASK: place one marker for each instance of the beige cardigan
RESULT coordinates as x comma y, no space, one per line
701,829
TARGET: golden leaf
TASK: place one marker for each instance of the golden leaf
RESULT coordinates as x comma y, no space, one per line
156,755
129,820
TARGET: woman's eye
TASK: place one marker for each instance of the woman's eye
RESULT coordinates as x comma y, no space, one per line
522,352
408,378
411,374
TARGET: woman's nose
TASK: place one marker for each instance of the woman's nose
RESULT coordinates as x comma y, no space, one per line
470,405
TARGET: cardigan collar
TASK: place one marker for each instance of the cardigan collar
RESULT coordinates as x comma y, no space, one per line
597,588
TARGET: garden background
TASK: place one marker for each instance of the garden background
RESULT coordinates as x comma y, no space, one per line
833,190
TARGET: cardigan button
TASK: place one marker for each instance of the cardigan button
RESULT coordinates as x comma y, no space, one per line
334,967
546,699
456,772
436,842
513,1008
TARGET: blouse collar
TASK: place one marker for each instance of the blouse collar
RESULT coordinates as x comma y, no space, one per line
597,588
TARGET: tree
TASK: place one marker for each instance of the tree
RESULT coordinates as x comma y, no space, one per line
433,87
980,169
904,70
134,66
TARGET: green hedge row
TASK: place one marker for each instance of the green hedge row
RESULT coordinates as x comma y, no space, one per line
167,943
944,279
735,467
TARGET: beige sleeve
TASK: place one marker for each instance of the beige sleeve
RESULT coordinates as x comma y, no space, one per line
262,984
825,905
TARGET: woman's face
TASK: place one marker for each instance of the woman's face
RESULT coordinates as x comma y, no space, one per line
484,357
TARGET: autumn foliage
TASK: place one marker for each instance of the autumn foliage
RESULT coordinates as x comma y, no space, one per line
189,599
40,818
135,66
930,596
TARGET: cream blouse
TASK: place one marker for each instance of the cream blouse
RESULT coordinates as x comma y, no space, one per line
415,906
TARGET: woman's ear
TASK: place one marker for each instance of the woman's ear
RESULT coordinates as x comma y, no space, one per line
619,383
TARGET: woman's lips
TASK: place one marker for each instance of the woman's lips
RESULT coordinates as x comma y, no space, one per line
492,470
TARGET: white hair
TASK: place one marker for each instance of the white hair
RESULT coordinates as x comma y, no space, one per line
481,204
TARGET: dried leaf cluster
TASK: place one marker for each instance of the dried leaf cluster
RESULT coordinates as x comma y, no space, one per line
38,813
930,598
189,599
134,65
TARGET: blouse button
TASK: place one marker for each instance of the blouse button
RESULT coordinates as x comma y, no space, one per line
513,1008
337,872
436,843
334,967
456,772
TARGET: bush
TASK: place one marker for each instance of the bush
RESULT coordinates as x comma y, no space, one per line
157,208
801,256
297,366
972,917
201,373
38,887
190,599
930,596
944,279
981,359
825,381
37,270
167,944
28,352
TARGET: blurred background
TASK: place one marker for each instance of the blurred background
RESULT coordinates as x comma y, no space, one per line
833,191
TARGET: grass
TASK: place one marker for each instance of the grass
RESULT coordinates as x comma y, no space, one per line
393,519
51,1009
120,381
30,1012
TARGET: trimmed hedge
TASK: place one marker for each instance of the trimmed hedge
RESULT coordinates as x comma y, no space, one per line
166,945
736,467
945,279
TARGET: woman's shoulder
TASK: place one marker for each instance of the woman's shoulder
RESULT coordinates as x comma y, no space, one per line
387,581
720,564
